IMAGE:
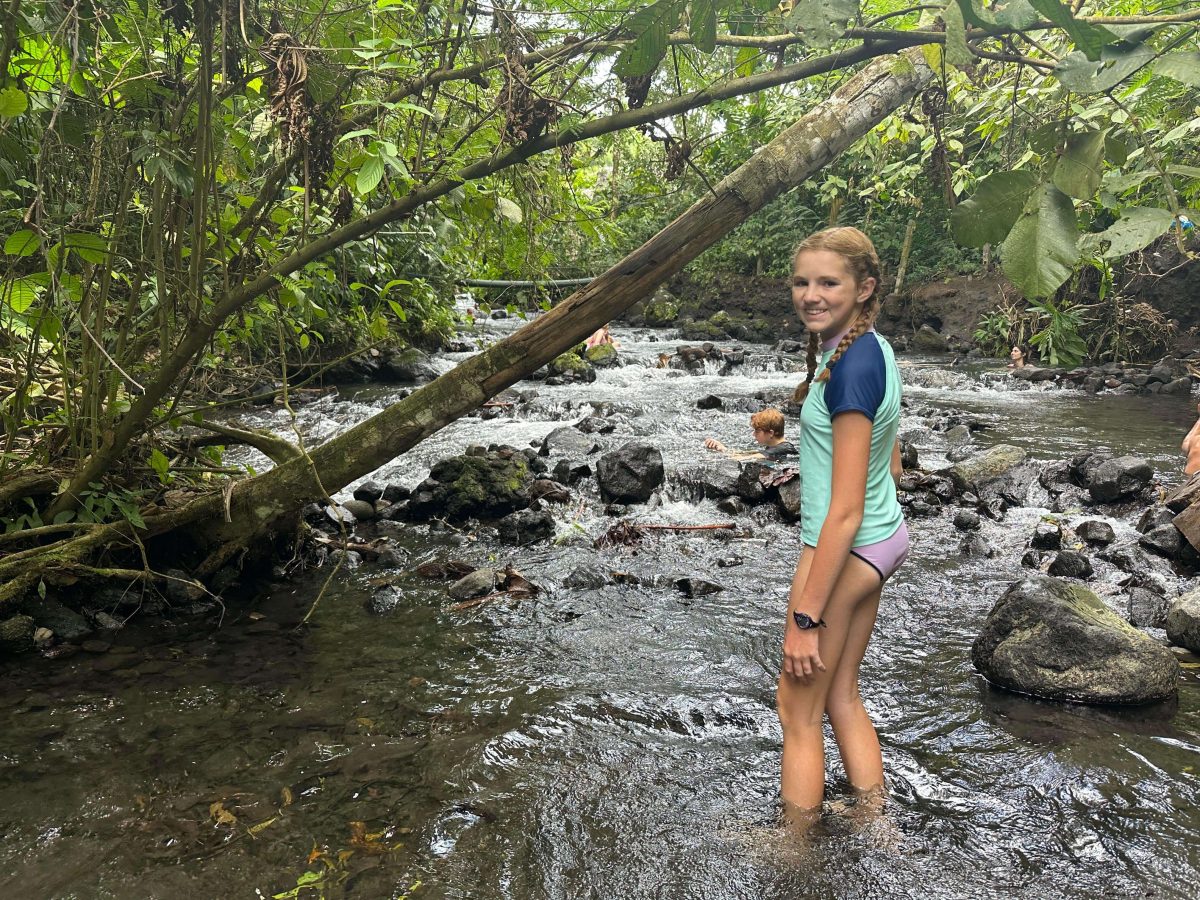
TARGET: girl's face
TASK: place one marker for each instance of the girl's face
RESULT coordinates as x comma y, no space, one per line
1015,353
824,292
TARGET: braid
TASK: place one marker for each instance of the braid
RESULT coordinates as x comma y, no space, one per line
866,318
814,347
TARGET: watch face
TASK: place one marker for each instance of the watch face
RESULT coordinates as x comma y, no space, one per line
804,620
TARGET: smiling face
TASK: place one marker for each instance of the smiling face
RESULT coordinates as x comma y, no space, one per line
825,293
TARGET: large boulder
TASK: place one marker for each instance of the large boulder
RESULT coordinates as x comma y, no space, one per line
1117,479
723,477
630,474
603,356
475,485
567,441
1057,640
1183,621
526,526
409,364
928,340
976,472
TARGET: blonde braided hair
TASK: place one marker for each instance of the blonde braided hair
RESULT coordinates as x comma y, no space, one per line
863,262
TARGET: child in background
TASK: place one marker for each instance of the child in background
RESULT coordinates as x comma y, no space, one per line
768,428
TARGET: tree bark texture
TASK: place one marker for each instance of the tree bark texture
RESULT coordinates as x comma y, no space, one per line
804,148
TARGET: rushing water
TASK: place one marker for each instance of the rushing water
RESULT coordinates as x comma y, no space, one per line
612,742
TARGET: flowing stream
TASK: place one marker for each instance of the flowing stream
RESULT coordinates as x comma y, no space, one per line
617,741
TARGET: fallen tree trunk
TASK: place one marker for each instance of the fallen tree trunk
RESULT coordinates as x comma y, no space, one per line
804,148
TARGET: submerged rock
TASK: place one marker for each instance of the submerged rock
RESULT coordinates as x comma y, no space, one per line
16,635
724,477
477,584
528,526
1057,640
692,586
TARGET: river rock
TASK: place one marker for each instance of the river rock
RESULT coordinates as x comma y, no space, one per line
788,499
908,454
487,486
1094,531
1165,540
974,544
477,584
724,477
408,364
527,526
630,474
710,401
549,491
603,356
396,493
1047,536
1183,621
586,578
570,366
341,516
927,340
692,586
16,635
1153,517
369,492
393,558
568,442
67,624
1032,559
1117,479
976,472
384,600
1071,564
966,520
1057,640
1184,495
360,509
1146,608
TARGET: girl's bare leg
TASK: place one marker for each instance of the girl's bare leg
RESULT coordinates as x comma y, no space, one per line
802,704
852,727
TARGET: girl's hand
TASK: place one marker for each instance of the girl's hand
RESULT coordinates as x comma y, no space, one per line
714,444
801,654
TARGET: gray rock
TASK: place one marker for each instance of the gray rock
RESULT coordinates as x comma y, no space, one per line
568,442
1164,540
16,635
1032,559
966,520
1070,499
527,526
733,506
1057,640
1116,479
549,491
485,485
1094,531
1183,621
1153,517
384,600
974,544
1146,608
350,559
710,401
477,584
977,471
1177,386
630,474
360,509
393,558
1047,536
723,477
409,364
339,515
788,499
1071,564
927,340
369,492
67,624
692,586
395,493
586,578
958,435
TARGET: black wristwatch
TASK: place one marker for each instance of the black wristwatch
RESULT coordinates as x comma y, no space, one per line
805,622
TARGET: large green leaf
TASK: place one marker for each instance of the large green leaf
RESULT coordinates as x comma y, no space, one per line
1017,14
650,27
1078,170
1137,227
820,22
1182,66
1083,75
703,26
1040,251
19,293
1090,39
957,53
991,211
91,248
13,102
369,175
21,243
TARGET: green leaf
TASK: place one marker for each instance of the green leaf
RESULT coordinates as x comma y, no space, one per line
820,22
1078,171
509,210
1017,14
1040,252
1116,150
989,214
1137,227
21,243
13,102
369,175
703,26
160,464
745,60
20,293
1084,75
1183,66
957,53
91,248
1090,39
650,25
1045,139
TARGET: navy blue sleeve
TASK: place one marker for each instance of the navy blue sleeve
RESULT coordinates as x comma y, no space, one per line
859,379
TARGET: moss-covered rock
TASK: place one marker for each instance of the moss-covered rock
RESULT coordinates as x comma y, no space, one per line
603,355
571,366
16,635
660,311
485,486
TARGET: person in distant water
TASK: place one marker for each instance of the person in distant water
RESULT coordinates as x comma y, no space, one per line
601,336
853,533
1019,356
768,430
1191,447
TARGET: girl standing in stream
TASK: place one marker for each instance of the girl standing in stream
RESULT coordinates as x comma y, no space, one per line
852,529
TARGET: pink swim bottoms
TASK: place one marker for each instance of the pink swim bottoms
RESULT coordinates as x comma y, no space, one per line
885,556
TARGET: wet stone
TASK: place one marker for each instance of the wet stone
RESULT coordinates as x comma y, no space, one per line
732,506
384,600
1164,540
586,578
697,587
95,646
477,584
1071,564
1146,608
710,401
1047,536
394,493
966,520
974,544
393,558
727,562
369,492
1094,531
1116,479
1183,621
360,509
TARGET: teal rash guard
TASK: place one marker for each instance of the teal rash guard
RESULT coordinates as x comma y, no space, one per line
866,380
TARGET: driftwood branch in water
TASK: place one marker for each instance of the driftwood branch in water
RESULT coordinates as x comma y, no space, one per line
270,445
627,533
